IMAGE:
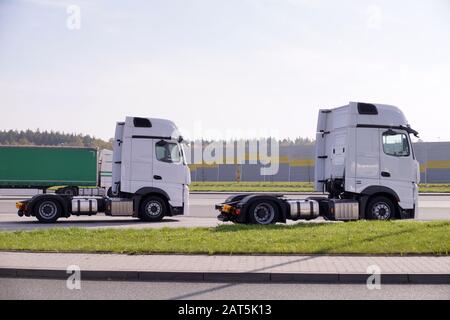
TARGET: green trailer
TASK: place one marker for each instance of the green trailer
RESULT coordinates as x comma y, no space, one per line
44,167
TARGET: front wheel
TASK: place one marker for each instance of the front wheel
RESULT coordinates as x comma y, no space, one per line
152,209
264,213
380,208
47,210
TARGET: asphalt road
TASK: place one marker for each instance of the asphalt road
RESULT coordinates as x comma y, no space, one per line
202,214
56,289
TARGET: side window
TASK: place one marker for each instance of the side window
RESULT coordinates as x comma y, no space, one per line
395,144
167,152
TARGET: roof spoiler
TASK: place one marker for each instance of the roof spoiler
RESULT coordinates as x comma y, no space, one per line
407,128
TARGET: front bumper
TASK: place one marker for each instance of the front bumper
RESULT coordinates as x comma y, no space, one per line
177,211
408,213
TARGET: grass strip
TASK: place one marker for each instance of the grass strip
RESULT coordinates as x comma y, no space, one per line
360,237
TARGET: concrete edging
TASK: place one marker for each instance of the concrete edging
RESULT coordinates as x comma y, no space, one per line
298,193
99,275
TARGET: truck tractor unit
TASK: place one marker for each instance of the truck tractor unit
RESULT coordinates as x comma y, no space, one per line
150,178
364,163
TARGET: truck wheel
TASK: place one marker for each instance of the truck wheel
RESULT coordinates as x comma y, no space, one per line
264,212
152,209
380,208
47,210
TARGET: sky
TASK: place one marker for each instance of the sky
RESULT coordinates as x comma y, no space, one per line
218,68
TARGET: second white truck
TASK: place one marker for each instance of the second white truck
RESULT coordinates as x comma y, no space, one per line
365,163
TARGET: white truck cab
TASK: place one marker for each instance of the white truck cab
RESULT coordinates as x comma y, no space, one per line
149,159
150,178
364,162
364,150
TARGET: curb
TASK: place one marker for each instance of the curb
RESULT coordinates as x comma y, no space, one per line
294,193
245,277
258,192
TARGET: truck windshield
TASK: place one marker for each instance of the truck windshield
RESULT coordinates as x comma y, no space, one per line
168,152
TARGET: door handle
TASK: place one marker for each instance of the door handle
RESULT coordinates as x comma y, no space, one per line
385,174
157,177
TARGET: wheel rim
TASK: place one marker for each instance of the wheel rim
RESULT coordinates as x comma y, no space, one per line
48,210
153,208
381,211
264,213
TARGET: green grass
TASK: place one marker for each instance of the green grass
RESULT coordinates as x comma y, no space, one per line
283,187
436,187
361,237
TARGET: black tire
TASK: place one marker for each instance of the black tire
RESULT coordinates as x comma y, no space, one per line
152,209
380,208
263,213
47,210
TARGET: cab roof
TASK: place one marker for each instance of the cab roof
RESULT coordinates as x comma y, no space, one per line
359,114
151,127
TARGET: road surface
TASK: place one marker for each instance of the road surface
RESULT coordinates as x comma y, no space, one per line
57,289
202,214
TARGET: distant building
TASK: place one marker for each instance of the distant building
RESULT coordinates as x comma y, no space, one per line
296,163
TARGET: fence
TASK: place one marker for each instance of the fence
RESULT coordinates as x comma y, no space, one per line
296,163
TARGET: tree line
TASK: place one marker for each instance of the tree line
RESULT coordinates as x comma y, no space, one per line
56,138
51,138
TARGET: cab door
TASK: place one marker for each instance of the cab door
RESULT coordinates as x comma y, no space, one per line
169,170
365,163
398,166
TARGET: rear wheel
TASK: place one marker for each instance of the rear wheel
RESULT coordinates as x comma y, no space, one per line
264,213
380,208
152,209
47,210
